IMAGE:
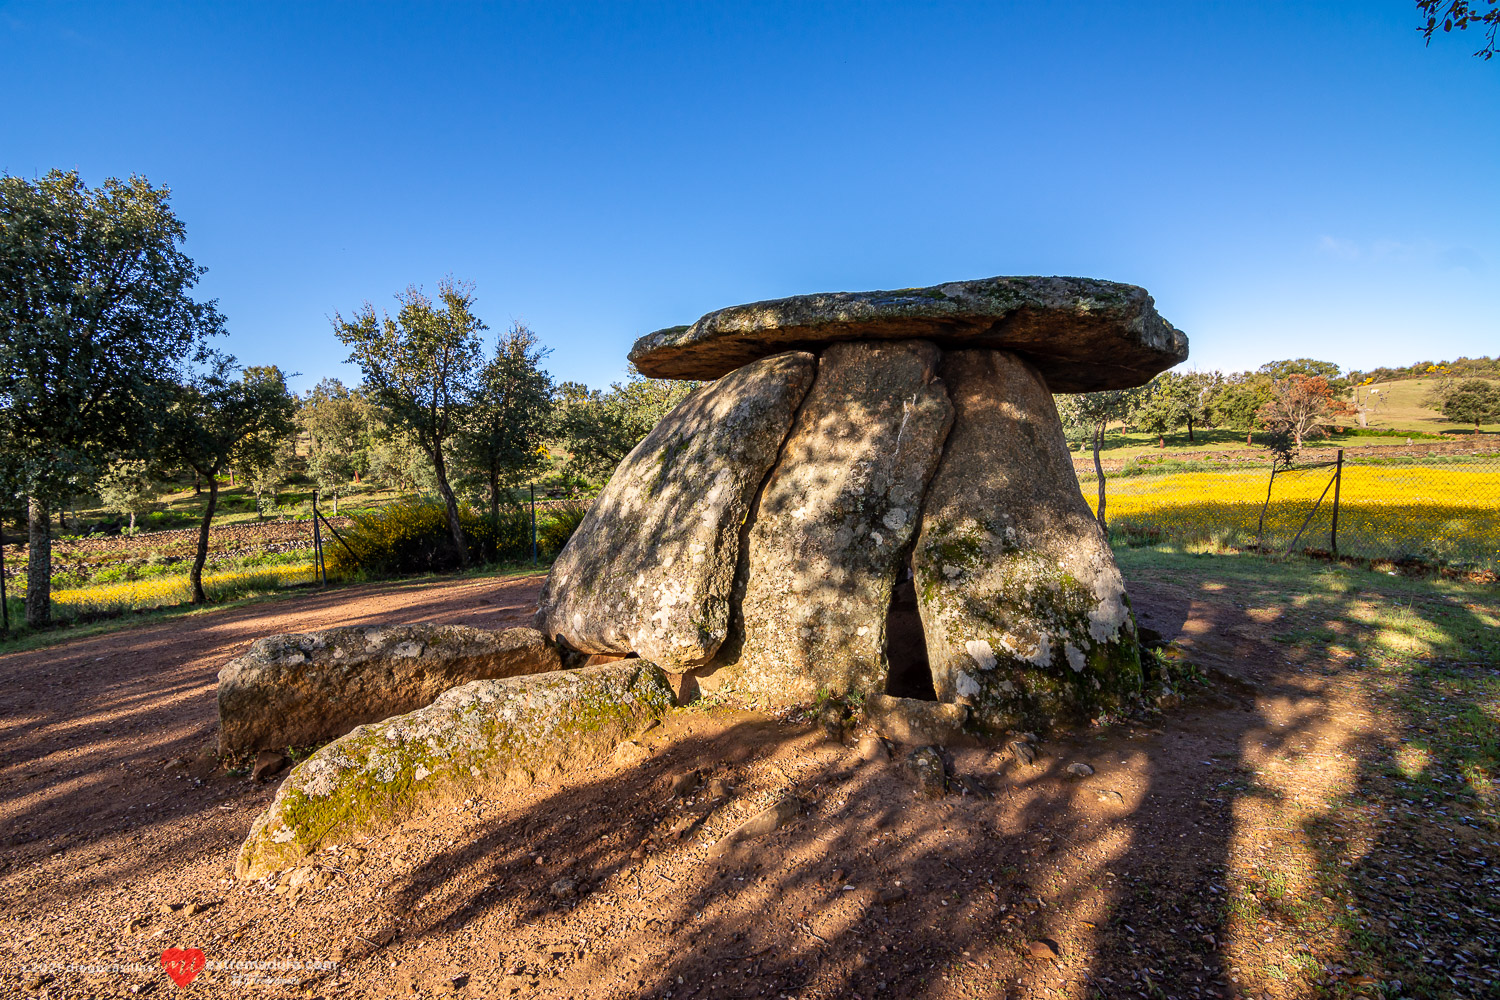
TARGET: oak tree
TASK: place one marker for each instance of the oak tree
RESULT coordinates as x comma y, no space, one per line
420,366
1092,412
213,414
95,317
1473,401
501,442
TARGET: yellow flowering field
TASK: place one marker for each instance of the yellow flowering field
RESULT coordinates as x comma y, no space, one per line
169,590
1449,513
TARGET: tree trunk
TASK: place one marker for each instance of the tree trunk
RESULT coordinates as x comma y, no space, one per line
38,564
197,485
494,509
132,520
1190,430
202,557
1099,475
459,543
1162,441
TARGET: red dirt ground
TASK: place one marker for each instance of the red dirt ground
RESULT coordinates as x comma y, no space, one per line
871,892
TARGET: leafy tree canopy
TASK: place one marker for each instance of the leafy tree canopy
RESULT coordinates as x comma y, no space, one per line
501,442
1459,15
421,367
95,318
1308,367
1473,401
337,422
95,315
129,486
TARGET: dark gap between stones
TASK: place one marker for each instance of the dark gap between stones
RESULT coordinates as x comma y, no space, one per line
908,674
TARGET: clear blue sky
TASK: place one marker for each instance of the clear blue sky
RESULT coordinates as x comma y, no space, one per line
1287,179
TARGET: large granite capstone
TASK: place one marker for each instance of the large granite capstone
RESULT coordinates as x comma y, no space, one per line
1081,334
915,530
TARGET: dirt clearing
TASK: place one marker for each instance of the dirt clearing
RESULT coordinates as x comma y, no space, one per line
1261,839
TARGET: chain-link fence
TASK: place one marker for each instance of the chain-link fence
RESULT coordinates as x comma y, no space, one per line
1434,504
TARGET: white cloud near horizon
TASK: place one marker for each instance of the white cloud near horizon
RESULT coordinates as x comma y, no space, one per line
1449,258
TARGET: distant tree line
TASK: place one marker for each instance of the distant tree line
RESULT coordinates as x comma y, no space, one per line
1286,402
110,385
1485,367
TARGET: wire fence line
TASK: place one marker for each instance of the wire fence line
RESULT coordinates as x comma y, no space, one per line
1437,505
1439,508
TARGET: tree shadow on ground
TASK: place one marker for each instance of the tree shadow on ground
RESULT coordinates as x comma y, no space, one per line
1216,872
872,890
1321,810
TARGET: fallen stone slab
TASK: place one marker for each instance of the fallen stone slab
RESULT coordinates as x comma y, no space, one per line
914,721
1082,334
304,689
651,567
481,735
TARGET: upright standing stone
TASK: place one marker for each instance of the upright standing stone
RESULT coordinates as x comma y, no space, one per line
1023,606
835,523
651,567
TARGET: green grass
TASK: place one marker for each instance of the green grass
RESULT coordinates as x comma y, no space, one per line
1210,444
1400,854
1399,406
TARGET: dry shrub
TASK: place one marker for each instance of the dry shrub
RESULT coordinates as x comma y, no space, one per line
412,537
553,532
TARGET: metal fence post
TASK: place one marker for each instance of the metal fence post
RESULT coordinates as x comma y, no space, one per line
4,607
1260,531
320,575
1333,532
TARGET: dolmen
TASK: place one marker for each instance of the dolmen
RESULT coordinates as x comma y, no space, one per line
872,499
873,496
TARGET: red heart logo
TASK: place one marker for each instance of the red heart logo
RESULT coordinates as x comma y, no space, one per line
183,964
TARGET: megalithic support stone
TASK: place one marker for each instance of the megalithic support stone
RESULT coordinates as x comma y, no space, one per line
1024,609
756,537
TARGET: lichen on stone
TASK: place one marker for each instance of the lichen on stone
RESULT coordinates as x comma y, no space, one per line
483,732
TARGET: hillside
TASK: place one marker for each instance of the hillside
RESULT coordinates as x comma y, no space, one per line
1399,406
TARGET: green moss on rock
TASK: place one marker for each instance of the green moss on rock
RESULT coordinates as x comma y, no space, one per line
483,733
